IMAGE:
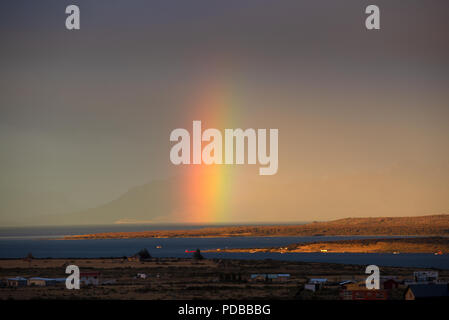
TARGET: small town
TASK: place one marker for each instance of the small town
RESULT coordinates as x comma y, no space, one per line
141,276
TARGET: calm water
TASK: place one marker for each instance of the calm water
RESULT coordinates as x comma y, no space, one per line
16,243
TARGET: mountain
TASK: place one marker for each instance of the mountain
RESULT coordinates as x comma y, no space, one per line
241,196
149,203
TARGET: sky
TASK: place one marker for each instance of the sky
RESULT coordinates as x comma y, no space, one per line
86,115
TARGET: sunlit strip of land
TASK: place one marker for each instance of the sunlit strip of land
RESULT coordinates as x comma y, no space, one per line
435,245
432,225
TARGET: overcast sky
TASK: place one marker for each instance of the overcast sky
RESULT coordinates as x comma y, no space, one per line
86,115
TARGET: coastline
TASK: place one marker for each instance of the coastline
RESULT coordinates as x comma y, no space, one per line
434,225
435,245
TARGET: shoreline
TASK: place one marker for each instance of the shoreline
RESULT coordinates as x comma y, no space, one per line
435,225
87,237
429,245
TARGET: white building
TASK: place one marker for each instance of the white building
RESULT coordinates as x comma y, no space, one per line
90,278
425,276
315,284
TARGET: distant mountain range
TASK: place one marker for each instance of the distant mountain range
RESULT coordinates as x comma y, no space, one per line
144,204
252,198
164,201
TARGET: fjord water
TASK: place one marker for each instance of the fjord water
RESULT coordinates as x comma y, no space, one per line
43,243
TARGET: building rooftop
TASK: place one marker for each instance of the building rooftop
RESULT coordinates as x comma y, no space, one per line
430,290
317,280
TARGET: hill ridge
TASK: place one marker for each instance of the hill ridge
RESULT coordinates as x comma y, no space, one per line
431,225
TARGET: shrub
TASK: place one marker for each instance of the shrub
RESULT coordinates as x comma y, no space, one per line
197,255
144,254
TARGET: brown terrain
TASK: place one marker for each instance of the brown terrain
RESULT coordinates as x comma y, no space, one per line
438,245
175,278
433,225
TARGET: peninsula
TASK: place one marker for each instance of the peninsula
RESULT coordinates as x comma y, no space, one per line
432,225
436,245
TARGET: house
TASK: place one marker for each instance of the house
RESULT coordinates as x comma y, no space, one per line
422,277
278,277
270,277
351,290
425,276
16,282
90,278
355,286
283,277
43,282
318,280
427,291
311,286
258,277
40,282
389,284
385,284
315,284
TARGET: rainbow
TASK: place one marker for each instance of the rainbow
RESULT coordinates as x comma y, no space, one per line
206,190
